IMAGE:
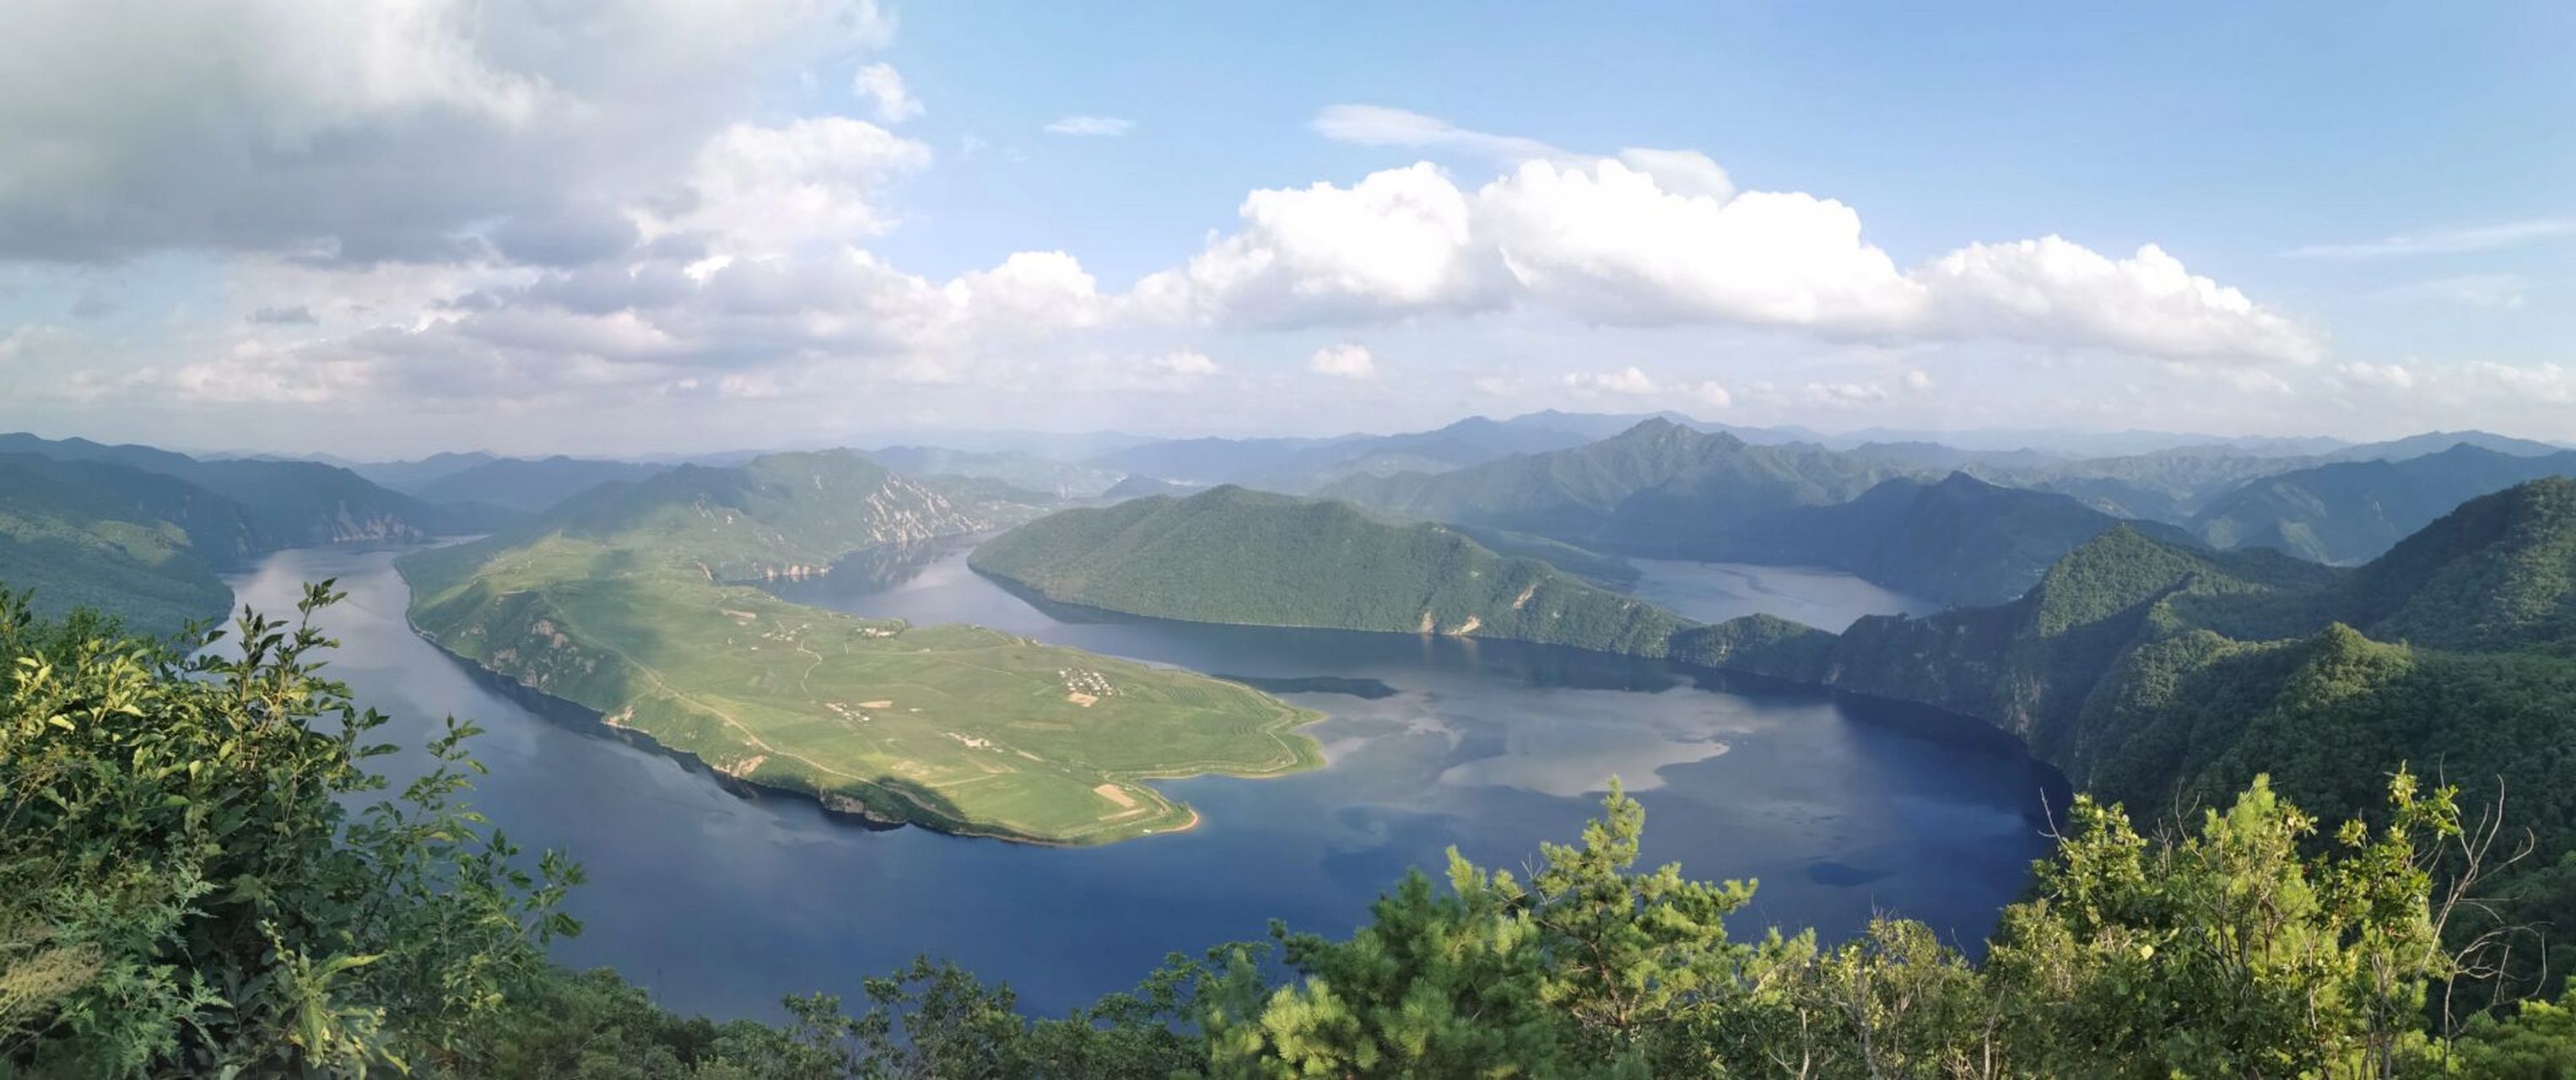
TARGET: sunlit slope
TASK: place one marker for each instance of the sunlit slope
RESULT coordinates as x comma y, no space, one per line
613,604
1230,555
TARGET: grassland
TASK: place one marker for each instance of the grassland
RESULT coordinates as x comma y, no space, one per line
623,601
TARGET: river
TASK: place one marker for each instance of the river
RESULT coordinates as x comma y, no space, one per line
720,903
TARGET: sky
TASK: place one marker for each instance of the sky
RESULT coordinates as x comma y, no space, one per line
385,227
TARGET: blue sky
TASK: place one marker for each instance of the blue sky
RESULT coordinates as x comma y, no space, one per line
672,226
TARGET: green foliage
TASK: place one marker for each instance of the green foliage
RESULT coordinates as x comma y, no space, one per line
1233,555
183,891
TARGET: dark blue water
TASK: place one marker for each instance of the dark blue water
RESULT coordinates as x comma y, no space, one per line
720,903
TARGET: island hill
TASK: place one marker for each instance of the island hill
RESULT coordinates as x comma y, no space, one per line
1233,555
628,600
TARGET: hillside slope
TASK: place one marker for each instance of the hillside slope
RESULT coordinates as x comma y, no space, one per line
130,544
1232,555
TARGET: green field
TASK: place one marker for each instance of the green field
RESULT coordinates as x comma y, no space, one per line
959,728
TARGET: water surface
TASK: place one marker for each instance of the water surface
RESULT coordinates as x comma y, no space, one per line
720,903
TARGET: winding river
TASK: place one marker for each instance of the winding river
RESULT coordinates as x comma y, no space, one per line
720,903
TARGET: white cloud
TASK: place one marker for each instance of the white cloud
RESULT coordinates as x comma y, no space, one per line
2385,376
1917,380
2056,292
1609,243
1633,381
2448,240
1687,173
1844,393
764,190
1348,360
1396,243
1377,125
1104,126
882,87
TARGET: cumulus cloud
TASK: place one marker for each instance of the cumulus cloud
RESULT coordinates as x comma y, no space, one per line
1397,243
1093,126
882,87
1348,360
1610,242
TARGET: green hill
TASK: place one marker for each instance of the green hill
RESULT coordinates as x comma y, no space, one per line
2351,511
629,600
1657,488
1232,555
130,544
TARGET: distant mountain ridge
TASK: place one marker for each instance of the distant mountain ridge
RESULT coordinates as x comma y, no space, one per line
1958,540
290,502
528,485
2353,510
1657,488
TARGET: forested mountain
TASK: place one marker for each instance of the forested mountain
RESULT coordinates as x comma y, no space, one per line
628,600
1301,465
2351,511
111,539
2175,484
527,485
290,502
1027,472
1232,555
1657,488
1958,540
2161,675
